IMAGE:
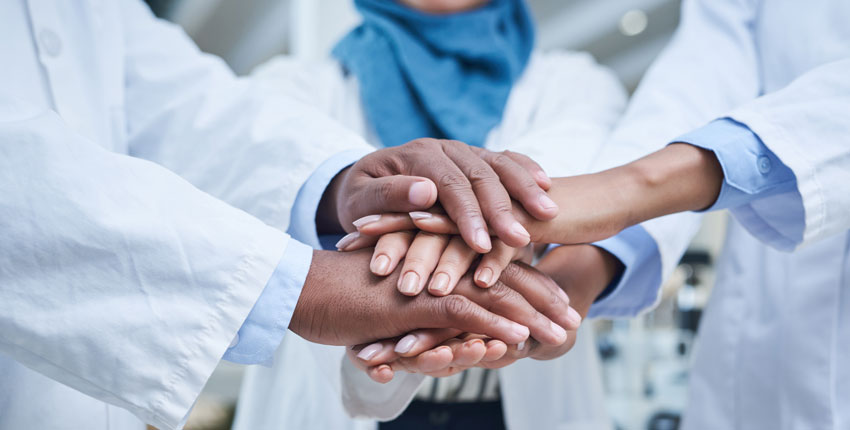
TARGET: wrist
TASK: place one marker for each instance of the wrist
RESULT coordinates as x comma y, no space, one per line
327,216
678,178
583,271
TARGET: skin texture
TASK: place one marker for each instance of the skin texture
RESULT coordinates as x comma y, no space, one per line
678,178
342,303
583,271
468,181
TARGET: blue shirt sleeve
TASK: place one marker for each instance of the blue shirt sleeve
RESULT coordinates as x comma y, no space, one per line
751,170
638,285
268,321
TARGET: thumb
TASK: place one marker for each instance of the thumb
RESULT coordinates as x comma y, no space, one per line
393,194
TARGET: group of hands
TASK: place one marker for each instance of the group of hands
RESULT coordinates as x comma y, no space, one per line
461,222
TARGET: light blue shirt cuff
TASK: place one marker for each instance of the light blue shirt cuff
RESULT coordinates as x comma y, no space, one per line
751,170
268,321
302,225
637,288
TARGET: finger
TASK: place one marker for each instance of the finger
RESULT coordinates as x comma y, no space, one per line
376,225
496,349
464,354
456,197
381,374
459,312
375,353
421,259
535,170
434,223
395,193
453,264
511,355
506,301
493,262
521,185
542,293
354,241
494,200
419,341
389,251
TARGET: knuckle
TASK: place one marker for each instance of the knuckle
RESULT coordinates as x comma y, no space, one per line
499,293
482,174
383,193
501,160
456,307
452,181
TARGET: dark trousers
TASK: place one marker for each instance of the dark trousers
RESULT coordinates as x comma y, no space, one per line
449,416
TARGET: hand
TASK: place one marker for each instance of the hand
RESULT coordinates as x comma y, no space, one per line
343,304
583,271
475,187
597,206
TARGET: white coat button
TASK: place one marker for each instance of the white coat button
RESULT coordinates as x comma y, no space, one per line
235,341
50,42
764,165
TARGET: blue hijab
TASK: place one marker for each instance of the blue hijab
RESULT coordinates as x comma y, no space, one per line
442,76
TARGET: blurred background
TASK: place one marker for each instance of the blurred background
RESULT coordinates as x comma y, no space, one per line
646,359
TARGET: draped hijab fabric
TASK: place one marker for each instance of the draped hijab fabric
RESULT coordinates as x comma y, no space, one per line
436,75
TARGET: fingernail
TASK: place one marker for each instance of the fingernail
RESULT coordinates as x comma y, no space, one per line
482,239
559,331
520,346
485,276
368,352
573,316
409,283
546,202
519,230
405,344
368,219
380,265
420,193
347,240
440,283
420,215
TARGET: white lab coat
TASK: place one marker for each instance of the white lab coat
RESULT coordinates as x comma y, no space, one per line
120,279
559,113
774,345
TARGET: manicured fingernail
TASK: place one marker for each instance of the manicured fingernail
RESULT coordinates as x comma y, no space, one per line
546,202
409,283
518,230
485,276
405,344
368,219
558,331
347,240
440,283
420,193
368,352
420,215
520,346
380,265
573,316
482,239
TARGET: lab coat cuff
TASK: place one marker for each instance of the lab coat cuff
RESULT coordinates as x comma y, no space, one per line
303,220
268,321
638,287
751,170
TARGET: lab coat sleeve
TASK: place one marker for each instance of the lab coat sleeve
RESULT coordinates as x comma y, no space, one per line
752,172
120,279
243,142
708,68
806,125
